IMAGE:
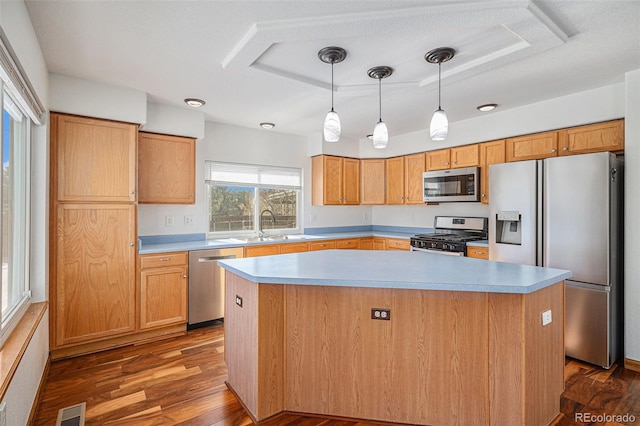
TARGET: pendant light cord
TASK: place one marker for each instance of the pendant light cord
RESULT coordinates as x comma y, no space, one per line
439,79
332,85
380,98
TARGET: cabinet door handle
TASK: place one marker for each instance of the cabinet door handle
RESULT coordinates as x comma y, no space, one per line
165,259
184,276
454,163
133,192
446,164
565,148
553,150
132,244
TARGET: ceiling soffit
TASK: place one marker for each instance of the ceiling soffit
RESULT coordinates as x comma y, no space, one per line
485,35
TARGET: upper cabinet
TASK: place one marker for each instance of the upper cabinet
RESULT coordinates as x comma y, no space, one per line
608,136
453,158
166,169
372,182
404,179
532,147
95,159
490,153
335,180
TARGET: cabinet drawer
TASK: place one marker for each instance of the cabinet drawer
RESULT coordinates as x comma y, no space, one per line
164,259
352,243
478,252
266,250
294,248
322,245
398,244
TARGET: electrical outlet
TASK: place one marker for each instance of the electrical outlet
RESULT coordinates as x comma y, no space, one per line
188,219
238,300
169,221
380,314
546,317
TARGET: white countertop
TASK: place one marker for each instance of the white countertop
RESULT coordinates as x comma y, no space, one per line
395,269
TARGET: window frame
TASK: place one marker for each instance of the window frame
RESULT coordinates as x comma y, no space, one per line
256,186
21,209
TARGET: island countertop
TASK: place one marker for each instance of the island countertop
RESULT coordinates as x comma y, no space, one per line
395,269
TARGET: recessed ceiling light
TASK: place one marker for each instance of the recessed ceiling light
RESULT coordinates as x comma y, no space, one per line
267,125
194,102
487,107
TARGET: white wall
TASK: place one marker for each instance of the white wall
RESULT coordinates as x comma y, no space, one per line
632,213
82,97
16,25
170,120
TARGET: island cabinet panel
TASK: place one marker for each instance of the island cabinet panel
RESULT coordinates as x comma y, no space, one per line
166,169
607,136
254,334
526,358
94,160
413,373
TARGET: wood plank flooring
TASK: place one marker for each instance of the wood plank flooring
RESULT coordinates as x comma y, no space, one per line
180,381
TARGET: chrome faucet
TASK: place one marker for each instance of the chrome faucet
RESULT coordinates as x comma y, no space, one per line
273,221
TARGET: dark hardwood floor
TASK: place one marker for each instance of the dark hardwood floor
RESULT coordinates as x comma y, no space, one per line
180,381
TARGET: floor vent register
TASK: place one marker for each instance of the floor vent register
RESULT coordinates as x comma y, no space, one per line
72,416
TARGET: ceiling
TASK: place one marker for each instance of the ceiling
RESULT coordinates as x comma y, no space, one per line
256,61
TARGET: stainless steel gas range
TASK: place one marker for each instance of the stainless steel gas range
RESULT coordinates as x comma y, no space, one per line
451,235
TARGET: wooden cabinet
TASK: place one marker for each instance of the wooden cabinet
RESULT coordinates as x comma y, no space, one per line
478,252
379,243
404,179
261,250
395,180
490,153
166,169
532,147
453,158
93,160
322,245
294,248
93,272
163,289
366,243
351,243
335,180
414,167
93,234
608,136
397,244
372,181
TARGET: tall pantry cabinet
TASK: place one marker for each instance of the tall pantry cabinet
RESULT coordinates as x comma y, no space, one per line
93,240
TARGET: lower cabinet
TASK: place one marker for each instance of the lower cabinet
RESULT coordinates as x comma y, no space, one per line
397,244
478,252
322,245
163,289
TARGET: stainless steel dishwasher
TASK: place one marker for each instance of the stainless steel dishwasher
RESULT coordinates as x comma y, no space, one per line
206,284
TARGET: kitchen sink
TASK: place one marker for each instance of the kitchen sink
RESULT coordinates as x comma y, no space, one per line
293,237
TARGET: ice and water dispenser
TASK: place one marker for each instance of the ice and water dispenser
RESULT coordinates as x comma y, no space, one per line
508,227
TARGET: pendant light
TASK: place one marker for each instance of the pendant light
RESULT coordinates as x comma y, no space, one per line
439,124
331,129
380,132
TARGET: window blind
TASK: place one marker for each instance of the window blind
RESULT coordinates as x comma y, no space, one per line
219,173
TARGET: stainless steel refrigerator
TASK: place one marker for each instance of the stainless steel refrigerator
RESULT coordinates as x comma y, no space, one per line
567,212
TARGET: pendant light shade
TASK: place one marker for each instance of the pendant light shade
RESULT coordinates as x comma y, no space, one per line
439,123
380,132
380,135
331,129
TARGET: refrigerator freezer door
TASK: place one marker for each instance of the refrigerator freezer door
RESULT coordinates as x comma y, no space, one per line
513,189
576,216
587,327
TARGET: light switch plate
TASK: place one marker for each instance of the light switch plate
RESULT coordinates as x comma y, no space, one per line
546,317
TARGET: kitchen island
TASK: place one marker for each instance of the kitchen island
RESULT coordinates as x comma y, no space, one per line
401,337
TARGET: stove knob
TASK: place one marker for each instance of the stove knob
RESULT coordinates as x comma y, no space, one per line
445,246
434,245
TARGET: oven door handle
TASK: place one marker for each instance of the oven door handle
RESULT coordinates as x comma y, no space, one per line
446,253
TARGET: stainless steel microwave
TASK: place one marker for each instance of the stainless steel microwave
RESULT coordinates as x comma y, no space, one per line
452,185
